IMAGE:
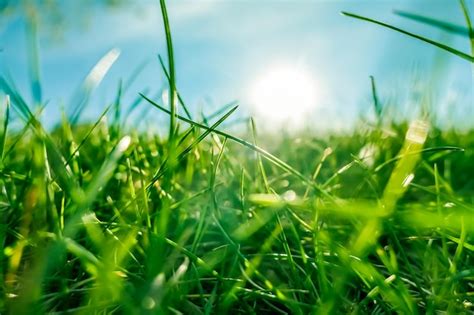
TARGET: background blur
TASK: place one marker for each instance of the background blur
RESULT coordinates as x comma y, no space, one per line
264,54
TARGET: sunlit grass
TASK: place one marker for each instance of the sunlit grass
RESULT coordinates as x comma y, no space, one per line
104,217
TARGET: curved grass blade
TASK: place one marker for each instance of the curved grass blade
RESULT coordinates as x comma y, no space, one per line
55,158
424,39
445,26
468,22
427,150
93,79
89,260
17,101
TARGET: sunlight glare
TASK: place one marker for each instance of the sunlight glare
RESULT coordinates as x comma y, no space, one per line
284,94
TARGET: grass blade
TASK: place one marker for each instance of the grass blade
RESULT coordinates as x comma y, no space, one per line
3,138
171,69
106,171
163,168
424,39
92,80
79,146
377,105
279,163
19,104
33,58
426,150
468,22
186,111
445,26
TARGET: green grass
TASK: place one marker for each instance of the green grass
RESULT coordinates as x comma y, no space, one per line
105,218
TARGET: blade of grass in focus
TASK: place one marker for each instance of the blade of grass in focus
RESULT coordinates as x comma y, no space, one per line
171,72
424,39
448,27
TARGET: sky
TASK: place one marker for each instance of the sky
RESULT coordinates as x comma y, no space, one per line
287,63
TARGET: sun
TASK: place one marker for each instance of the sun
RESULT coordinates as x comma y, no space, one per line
283,94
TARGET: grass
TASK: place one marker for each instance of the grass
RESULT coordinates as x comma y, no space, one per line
104,218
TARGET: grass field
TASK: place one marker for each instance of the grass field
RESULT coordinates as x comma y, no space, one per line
105,218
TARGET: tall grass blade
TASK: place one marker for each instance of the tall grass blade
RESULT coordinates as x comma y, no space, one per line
445,26
403,173
171,71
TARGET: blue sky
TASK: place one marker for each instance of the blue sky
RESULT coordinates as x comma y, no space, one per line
223,47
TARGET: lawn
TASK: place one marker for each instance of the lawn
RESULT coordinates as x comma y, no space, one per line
104,217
